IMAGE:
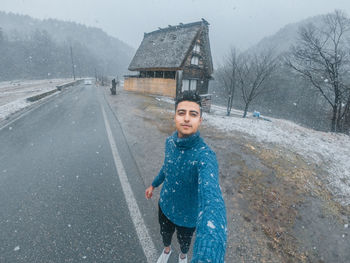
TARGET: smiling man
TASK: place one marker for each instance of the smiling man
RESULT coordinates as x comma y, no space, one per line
190,199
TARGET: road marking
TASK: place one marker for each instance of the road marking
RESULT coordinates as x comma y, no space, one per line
141,229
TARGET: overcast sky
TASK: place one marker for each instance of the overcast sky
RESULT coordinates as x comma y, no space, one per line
239,23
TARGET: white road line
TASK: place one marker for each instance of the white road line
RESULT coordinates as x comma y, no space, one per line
141,229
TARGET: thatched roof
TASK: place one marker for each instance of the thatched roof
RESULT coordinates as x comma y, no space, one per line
166,48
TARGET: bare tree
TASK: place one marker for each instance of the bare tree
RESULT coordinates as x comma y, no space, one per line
1,36
253,71
322,57
227,75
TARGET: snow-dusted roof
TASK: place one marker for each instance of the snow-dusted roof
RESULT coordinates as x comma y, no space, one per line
167,47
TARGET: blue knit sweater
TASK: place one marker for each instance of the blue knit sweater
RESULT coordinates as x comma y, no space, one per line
191,195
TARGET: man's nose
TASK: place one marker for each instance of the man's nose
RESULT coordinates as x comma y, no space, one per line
187,117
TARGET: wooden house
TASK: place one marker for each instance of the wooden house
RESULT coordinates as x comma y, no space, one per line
171,60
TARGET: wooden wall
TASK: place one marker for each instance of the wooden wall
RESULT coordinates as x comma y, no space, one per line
155,86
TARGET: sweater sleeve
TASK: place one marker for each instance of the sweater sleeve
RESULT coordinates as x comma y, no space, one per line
210,243
161,175
159,179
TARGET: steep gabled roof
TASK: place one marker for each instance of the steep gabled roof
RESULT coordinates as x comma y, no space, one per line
166,48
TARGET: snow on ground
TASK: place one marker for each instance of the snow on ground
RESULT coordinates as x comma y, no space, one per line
13,94
12,107
330,151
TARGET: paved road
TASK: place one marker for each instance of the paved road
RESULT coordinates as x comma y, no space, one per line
60,196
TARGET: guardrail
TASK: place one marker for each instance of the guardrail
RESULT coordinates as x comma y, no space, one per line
71,83
42,95
59,87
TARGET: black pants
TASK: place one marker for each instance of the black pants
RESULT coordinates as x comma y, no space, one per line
167,229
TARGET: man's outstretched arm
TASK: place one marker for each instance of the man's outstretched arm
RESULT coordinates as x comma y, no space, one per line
158,180
210,243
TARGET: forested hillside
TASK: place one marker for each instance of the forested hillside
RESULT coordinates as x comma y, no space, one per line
286,93
33,48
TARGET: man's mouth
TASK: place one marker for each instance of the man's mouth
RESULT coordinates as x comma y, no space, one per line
186,125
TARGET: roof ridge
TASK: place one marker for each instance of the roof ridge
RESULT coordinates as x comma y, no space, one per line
180,25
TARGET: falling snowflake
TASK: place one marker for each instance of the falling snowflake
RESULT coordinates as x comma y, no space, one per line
210,224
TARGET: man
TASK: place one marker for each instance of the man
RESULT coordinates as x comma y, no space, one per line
190,198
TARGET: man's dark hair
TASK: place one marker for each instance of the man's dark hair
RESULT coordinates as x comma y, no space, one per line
189,95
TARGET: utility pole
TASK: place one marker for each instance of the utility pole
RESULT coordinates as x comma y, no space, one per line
71,56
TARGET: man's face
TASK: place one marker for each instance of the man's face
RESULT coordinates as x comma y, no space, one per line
187,118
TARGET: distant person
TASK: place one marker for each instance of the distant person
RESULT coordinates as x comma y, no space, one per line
191,197
114,87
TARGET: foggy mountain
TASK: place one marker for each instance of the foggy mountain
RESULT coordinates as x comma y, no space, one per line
291,97
92,48
282,40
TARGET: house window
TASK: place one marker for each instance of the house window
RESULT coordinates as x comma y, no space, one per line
193,84
194,60
185,84
158,74
197,48
169,74
189,84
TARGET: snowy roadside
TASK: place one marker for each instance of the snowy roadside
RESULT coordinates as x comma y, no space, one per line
330,151
13,107
14,94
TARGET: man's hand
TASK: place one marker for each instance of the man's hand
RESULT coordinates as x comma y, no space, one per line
149,192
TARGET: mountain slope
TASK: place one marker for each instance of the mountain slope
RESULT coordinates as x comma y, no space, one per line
285,37
114,54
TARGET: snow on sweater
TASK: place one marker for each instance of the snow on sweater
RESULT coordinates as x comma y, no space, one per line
191,195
